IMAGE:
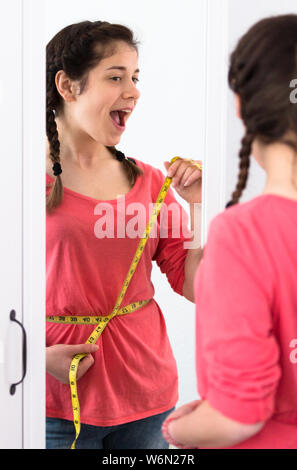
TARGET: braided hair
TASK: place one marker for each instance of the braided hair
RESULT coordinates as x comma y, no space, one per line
262,67
77,49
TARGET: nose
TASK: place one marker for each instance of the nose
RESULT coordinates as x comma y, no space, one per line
130,91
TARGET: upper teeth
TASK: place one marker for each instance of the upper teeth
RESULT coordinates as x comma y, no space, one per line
125,110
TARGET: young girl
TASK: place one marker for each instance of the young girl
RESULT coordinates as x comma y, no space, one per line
128,385
246,285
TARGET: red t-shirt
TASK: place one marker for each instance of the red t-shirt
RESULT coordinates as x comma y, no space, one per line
246,318
134,375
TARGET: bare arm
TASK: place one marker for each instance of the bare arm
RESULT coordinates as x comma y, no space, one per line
194,254
207,427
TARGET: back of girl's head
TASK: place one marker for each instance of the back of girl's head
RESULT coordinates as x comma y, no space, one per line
262,67
77,49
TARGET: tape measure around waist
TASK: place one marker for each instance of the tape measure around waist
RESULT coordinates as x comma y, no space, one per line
103,321
93,319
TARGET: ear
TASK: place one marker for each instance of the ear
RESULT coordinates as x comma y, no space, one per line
238,105
64,86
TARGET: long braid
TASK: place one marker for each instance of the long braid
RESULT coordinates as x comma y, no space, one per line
244,164
56,195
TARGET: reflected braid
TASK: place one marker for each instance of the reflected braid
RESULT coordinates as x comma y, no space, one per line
244,164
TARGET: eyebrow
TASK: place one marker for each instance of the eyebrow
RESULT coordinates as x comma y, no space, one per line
119,67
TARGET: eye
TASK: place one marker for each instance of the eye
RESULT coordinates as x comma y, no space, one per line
117,79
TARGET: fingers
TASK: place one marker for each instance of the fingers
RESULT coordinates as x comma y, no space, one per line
167,165
186,176
195,175
83,348
185,409
174,167
183,172
84,365
194,404
86,362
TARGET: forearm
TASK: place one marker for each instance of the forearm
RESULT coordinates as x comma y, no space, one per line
191,264
206,427
195,252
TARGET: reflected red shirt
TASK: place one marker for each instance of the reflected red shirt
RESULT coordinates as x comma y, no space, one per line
246,318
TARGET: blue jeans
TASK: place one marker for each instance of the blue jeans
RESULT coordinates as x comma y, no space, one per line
141,434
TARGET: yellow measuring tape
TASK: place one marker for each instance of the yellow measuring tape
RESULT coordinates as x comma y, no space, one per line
102,322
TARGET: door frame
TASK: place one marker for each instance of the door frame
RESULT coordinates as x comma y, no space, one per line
34,221
216,98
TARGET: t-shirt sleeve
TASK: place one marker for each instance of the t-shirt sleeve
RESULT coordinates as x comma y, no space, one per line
237,354
171,251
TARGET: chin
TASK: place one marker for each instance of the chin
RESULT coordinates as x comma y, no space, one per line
112,142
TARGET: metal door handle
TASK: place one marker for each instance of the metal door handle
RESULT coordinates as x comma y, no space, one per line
12,316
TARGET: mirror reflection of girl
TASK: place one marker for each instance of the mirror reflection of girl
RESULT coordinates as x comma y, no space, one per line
128,385
246,285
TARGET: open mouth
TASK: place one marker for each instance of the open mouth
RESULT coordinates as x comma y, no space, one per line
119,118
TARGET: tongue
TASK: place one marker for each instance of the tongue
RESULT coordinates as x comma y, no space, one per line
116,117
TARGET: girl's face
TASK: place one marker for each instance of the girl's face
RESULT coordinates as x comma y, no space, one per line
109,98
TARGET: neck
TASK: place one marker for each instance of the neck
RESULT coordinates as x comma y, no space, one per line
280,164
79,149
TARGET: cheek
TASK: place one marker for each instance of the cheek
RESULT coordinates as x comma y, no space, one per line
103,103
96,105
94,109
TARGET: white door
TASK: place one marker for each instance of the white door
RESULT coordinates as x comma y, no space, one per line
22,226
11,434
